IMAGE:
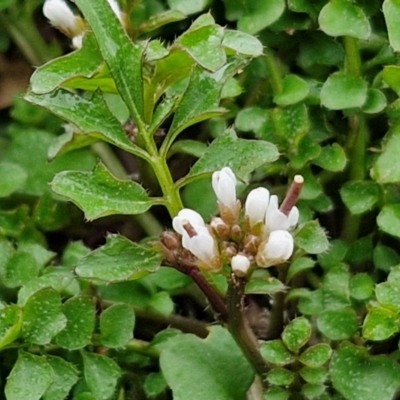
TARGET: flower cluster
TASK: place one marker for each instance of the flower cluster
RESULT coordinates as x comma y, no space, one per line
62,17
259,235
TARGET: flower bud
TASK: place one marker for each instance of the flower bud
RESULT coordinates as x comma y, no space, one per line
170,240
62,17
224,185
220,228
256,205
276,250
240,265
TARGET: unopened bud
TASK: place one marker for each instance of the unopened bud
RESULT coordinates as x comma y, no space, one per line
277,250
227,250
170,240
240,265
251,244
236,233
220,228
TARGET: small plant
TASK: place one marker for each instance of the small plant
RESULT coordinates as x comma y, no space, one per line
209,156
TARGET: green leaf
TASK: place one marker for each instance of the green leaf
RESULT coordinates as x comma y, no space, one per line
338,324
98,193
361,286
391,12
10,324
42,317
311,391
29,378
80,313
101,374
386,169
33,144
158,20
312,238
380,324
291,122
268,285
116,325
375,103
154,384
116,48
389,219
188,7
65,375
242,155
391,76
219,367
385,257
294,90
342,18
275,352
276,393
316,356
162,303
13,177
199,102
191,147
82,63
296,334
359,196
252,119
314,375
388,293
19,270
299,265
129,261
342,90
204,45
331,158
91,115
358,376
280,377
260,14
242,43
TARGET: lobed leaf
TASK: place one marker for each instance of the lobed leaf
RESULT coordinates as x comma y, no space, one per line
98,193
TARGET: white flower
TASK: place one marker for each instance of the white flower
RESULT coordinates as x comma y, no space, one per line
256,205
240,264
276,250
276,220
224,185
62,17
195,235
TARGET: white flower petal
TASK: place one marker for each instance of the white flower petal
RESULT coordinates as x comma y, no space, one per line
257,204
240,263
202,246
224,185
60,15
184,216
279,247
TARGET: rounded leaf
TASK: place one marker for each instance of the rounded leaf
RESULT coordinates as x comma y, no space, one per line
296,334
389,219
312,238
275,352
294,90
342,91
380,324
359,196
338,324
359,376
342,18
361,286
316,356
280,377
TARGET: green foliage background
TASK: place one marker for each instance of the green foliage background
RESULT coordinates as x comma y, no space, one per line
313,92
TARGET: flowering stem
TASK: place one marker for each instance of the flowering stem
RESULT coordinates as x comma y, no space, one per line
292,195
239,326
213,297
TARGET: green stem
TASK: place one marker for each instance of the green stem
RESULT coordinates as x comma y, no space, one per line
240,329
277,313
353,59
23,31
171,192
356,141
274,71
